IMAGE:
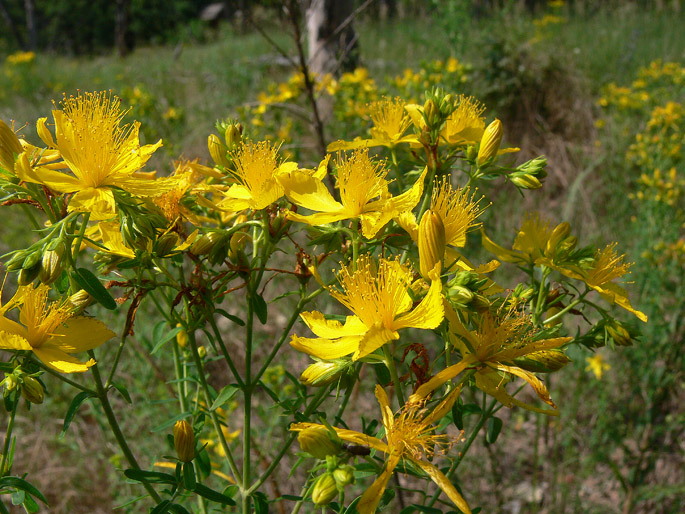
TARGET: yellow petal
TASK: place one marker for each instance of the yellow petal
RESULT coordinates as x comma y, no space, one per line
336,146
499,251
534,381
375,337
493,387
79,335
371,497
9,341
53,179
443,482
439,379
613,293
326,349
428,314
98,201
386,411
143,186
350,436
443,407
61,361
331,329
309,192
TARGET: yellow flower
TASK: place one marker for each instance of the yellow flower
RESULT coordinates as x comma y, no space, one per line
597,365
50,331
408,435
607,266
458,212
256,168
390,122
364,194
378,295
491,350
10,147
100,153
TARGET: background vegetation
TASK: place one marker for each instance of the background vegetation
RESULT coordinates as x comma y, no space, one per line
587,84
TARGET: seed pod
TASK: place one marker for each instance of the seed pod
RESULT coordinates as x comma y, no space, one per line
490,142
431,242
184,441
31,390
317,442
325,489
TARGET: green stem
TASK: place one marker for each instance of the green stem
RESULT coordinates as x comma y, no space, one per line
224,351
66,380
116,430
8,435
559,314
247,395
316,401
390,364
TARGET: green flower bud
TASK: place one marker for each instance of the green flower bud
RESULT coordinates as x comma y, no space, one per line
344,476
619,333
32,390
525,181
218,151
165,244
322,373
325,490
206,243
460,294
184,441
17,260
11,382
544,361
52,263
32,259
80,300
317,442
26,276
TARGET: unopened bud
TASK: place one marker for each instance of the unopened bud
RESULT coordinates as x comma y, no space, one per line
26,276
544,361
322,373
11,382
619,333
184,441
80,300
233,135
206,243
317,442
202,352
344,476
17,260
430,112
431,242
325,489
218,150
560,232
32,390
480,303
182,337
525,181
489,143
52,264
460,294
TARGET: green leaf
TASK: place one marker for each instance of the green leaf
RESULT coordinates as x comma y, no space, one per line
212,495
73,409
161,507
260,308
152,477
225,395
188,476
493,428
457,415
178,509
382,374
92,285
122,391
426,510
30,504
471,408
164,339
261,506
234,319
291,497
170,422
3,509
20,483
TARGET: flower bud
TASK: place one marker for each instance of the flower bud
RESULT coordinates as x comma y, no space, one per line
26,276
544,361
431,242
525,181
431,112
317,442
206,243
480,303
344,476
17,260
560,232
218,150
233,135
165,244
202,352
32,390
32,259
182,337
460,294
325,489
489,143
11,382
619,333
322,373
184,441
80,300
52,263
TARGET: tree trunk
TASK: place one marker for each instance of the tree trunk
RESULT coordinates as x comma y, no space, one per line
13,27
31,25
333,44
121,39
